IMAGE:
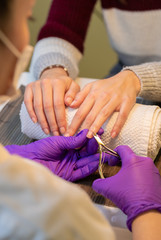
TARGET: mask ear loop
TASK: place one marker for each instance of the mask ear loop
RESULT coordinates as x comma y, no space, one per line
9,45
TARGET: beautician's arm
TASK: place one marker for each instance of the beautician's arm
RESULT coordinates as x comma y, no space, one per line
147,226
136,190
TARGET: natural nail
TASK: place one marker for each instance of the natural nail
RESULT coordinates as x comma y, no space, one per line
46,131
90,134
113,134
62,130
56,133
69,100
34,120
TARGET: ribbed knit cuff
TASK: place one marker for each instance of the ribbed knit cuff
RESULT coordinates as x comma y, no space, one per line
51,51
149,75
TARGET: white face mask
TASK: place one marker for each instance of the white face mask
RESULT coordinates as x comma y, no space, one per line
22,62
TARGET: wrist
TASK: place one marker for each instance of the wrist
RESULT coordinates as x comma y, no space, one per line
59,69
140,208
147,226
131,75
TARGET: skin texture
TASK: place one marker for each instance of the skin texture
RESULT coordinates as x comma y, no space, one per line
147,226
98,100
45,100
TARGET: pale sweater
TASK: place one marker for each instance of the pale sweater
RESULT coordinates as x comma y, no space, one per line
36,204
133,29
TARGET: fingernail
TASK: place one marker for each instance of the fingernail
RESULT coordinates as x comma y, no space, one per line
69,100
34,120
90,134
113,134
46,131
62,130
66,135
56,133
73,103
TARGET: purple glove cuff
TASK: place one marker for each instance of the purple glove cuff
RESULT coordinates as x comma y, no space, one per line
144,207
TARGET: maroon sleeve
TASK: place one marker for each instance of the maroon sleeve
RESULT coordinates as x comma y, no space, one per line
68,19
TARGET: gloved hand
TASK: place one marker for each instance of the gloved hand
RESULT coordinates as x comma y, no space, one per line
71,158
136,188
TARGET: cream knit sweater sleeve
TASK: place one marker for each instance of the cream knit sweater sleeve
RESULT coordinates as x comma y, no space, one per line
149,75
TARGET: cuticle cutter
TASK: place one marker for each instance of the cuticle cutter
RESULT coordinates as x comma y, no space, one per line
101,145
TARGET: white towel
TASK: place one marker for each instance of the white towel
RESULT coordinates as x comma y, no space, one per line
141,132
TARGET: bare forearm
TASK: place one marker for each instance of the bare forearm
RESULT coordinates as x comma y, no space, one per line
147,226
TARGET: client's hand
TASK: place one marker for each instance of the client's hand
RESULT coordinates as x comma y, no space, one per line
136,188
71,158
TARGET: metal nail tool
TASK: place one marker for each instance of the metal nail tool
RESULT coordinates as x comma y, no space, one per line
107,150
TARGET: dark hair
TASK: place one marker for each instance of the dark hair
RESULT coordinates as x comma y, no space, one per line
4,8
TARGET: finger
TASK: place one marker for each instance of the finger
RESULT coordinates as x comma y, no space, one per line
102,186
121,119
47,94
59,106
102,115
80,115
125,153
38,106
91,146
100,131
87,160
108,187
74,141
90,158
98,185
28,100
80,97
71,93
85,170
112,160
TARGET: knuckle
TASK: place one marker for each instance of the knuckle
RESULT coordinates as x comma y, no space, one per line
44,82
38,106
56,81
47,107
123,116
58,104
28,86
103,95
89,120
92,95
36,84
104,113
61,122
79,115
128,98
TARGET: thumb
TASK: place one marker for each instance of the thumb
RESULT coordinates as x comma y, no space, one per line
99,186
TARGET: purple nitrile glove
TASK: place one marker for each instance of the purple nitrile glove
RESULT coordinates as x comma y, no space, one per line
136,188
71,158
